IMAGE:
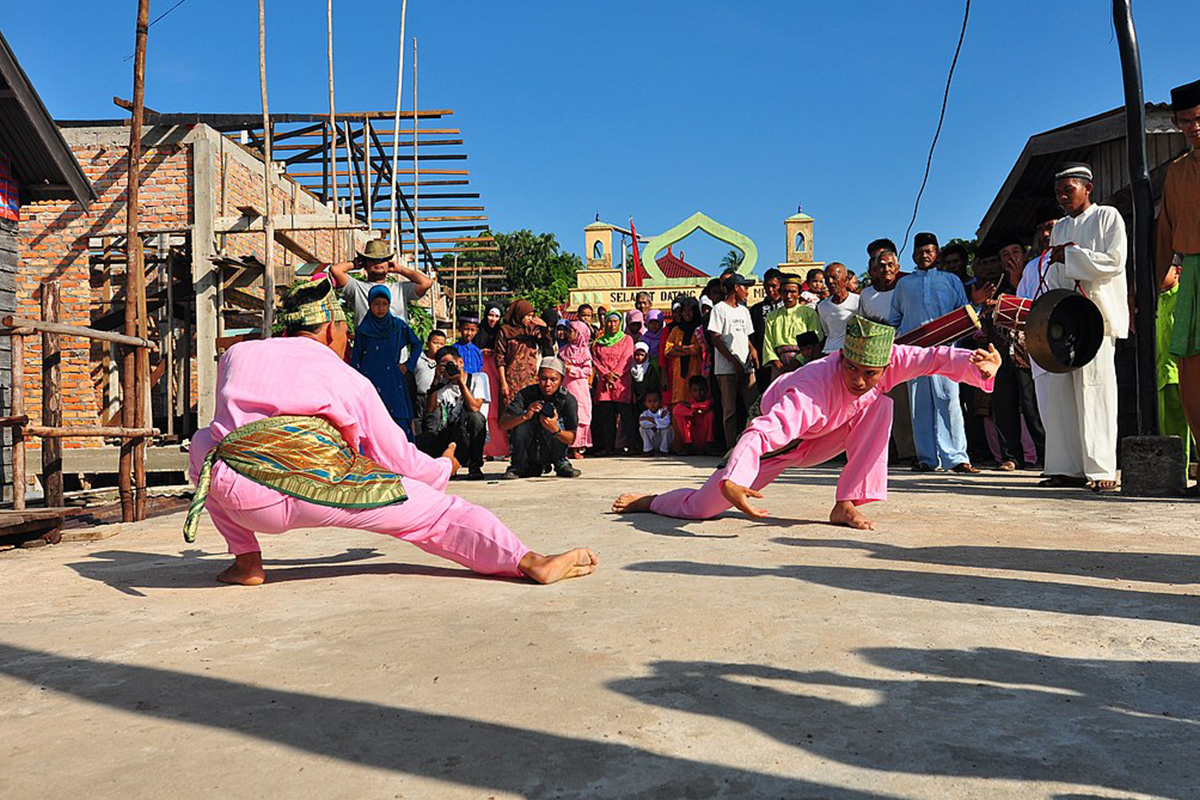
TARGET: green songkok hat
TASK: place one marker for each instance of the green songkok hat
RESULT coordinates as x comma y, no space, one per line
868,344
309,302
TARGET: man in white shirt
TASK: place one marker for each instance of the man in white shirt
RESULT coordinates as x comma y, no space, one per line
734,355
1079,408
376,261
836,309
456,411
875,303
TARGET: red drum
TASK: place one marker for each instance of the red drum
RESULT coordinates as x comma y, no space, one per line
1011,312
945,329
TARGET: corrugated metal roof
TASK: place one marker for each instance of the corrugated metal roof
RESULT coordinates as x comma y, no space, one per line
42,162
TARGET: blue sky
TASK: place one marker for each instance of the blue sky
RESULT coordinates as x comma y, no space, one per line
656,109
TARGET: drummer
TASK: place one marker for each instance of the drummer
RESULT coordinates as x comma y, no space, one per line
837,404
937,418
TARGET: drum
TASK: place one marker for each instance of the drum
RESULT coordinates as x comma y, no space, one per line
1011,312
1064,331
943,330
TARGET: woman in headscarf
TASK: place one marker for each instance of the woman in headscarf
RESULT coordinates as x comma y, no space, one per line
549,344
518,349
577,355
489,327
378,343
485,340
683,351
612,356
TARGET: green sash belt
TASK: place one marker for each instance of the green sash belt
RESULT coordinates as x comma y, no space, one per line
303,457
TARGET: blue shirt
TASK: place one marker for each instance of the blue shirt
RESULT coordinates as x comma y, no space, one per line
472,357
925,295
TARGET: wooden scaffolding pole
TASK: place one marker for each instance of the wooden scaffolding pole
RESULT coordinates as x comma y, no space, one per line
416,176
268,315
393,220
131,476
333,131
17,409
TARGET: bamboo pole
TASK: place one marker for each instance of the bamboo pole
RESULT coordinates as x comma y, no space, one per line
55,432
332,126
17,408
416,177
83,332
134,272
393,222
268,317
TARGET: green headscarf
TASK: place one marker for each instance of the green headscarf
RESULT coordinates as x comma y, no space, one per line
609,339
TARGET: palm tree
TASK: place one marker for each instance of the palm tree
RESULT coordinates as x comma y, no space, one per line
732,260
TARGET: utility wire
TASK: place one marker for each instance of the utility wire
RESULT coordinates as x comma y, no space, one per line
156,20
941,118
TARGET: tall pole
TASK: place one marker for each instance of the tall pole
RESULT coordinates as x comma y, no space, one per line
333,131
416,170
131,406
1145,288
393,225
268,317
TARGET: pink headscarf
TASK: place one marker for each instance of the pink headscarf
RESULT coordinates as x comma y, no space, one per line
578,351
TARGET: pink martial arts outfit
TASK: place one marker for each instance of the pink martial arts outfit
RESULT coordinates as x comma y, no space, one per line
300,376
812,405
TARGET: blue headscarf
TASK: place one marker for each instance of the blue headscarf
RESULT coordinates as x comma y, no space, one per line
374,326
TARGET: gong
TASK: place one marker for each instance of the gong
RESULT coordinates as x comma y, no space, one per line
1064,330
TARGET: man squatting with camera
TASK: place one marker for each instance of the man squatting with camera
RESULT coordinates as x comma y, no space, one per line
541,422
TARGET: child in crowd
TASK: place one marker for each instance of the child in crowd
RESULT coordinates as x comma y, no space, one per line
633,324
379,341
693,419
646,375
468,326
576,355
587,315
655,425
652,335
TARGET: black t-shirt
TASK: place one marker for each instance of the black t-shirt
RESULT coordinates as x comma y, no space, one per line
564,403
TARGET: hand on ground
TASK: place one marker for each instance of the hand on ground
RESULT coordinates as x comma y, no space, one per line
737,495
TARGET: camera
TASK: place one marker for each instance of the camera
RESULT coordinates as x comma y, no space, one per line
450,369
549,409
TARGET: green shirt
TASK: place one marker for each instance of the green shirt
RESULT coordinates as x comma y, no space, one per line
784,325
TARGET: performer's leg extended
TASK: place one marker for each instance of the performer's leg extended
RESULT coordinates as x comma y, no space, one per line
440,524
703,503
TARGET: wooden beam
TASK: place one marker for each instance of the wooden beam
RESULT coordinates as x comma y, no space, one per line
63,329
287,222
88,431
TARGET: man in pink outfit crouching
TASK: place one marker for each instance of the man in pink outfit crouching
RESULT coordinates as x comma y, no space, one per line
834,405
301,440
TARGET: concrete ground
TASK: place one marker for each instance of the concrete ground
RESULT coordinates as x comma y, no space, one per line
990,640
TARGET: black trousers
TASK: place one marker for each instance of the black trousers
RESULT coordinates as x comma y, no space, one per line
469,432
605,416
533,448
978,449
1012,398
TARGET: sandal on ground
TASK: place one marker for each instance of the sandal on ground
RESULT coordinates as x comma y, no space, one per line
1063,482
966,468
1103,487
921,467
1007,466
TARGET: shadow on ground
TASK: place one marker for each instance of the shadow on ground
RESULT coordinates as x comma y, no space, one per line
1169,568
130,571
469,752
984,713
977,590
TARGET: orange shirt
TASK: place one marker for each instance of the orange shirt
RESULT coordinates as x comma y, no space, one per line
1179,215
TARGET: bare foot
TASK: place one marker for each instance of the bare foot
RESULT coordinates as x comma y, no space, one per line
633,503
247,570
846,513
551,569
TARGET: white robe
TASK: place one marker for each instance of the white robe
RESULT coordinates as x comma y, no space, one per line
1079,408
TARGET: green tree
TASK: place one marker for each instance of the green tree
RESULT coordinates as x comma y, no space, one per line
534,266
732,260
